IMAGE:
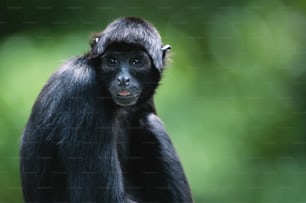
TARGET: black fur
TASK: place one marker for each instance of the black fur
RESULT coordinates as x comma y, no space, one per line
79,146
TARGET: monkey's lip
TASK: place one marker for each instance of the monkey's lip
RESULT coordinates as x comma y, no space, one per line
125,98
124,93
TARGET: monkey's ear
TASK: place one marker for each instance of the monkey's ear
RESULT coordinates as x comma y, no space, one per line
96,45
165,49
95,39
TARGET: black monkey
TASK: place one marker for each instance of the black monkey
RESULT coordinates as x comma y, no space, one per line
93,134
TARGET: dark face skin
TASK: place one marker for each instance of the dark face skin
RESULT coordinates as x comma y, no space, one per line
124,70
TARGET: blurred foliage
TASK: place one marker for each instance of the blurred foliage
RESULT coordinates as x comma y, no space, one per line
233,98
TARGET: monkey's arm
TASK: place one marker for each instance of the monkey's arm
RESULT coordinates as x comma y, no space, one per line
174,187
37,159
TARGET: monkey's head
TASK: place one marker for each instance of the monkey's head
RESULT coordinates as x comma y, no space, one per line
131,58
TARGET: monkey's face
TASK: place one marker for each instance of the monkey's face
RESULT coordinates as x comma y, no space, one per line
125,72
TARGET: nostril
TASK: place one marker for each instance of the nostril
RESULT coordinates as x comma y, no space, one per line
119,80
126,79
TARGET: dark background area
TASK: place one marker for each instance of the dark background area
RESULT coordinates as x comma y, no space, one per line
233,98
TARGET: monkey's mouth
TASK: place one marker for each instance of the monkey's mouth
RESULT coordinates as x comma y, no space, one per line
125,98
124,93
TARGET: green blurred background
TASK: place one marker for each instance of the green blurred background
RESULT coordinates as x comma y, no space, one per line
233,99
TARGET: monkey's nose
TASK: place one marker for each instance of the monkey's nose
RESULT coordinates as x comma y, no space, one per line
123,80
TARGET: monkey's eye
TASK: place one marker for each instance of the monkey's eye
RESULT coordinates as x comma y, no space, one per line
112,61
137,61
